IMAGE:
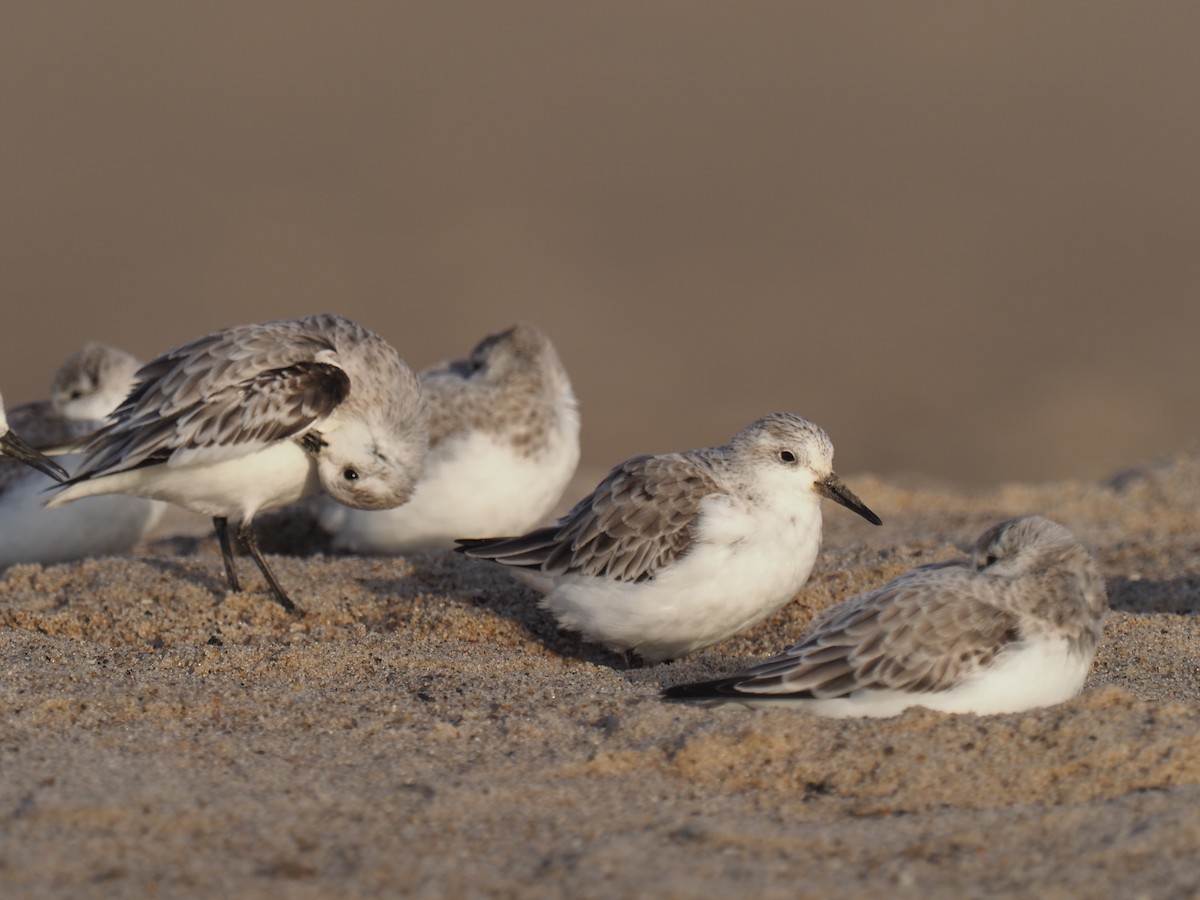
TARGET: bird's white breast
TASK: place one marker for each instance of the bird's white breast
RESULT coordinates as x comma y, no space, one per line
748,561
235,487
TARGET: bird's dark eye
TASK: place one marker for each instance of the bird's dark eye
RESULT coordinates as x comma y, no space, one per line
991,560
76,394
787,456
350,474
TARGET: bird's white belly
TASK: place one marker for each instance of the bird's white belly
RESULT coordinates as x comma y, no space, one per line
236,488
97,526
1040,672
474,486
744,568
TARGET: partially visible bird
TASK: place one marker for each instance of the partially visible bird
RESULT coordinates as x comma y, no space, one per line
89,385
92,382
503,444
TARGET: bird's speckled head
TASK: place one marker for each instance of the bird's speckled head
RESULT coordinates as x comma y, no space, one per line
377,439
788,439
1024,544
1033,545
791,453
92,382
365,468
519,353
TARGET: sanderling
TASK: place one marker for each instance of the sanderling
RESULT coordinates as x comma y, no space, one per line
87,387
672,553
13,445
256,417
503,443
1012,628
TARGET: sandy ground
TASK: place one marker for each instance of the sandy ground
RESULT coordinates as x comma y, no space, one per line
423,729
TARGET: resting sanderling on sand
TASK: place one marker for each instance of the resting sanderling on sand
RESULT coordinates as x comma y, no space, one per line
1012,628
672,553
14,446
255,417
87,387
503,444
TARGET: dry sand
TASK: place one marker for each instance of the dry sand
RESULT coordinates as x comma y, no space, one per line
424,730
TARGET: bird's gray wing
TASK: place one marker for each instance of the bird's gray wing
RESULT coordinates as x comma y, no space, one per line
640,518
222,396
922,632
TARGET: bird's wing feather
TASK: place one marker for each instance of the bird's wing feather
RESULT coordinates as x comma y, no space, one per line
222,396
639,519
925,631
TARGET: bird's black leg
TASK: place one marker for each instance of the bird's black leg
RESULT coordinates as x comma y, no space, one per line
221,524
246,535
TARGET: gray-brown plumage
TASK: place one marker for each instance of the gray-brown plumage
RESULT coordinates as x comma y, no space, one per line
1016,625
637,520
512,385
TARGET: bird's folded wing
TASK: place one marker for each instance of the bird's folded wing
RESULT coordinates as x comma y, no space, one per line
640,518
217,398
925,631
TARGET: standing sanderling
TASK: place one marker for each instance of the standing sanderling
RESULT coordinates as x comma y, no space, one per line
88,386
672,553
256,417
1012,628
13,445
503,443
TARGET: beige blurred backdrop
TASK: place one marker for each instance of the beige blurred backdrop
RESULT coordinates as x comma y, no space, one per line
962,237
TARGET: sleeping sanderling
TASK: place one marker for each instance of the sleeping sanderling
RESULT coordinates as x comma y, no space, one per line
1012,628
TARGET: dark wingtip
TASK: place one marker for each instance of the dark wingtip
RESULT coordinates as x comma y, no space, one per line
696,690
466,545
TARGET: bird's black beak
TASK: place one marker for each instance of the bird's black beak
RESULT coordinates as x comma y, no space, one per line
12,445
831,486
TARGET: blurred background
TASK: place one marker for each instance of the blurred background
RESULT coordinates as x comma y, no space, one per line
962,237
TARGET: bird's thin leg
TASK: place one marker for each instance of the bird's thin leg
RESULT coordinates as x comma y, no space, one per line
246,535
221,524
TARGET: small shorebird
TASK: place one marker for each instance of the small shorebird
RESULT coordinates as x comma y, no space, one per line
1012,628
503,443
255,417
89,385
672,553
